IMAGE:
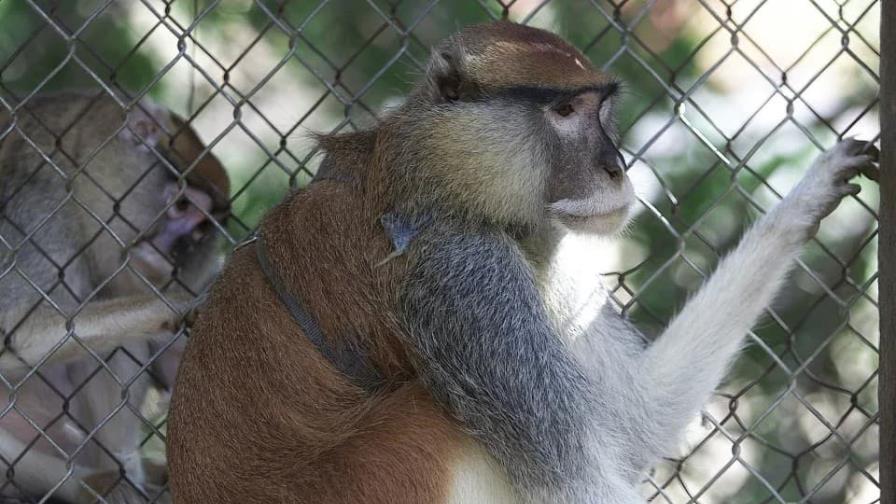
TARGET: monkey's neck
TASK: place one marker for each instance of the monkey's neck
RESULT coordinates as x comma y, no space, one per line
540,245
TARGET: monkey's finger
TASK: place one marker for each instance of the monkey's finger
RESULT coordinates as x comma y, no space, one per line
872,151
193,309
851,189
854,147
852,166
857,161
871,171
190,317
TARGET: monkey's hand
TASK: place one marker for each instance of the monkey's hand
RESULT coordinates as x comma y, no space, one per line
825,184
186,309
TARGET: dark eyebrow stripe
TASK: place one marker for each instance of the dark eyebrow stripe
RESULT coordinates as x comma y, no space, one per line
545,95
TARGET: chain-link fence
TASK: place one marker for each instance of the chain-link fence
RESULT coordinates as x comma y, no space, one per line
726,103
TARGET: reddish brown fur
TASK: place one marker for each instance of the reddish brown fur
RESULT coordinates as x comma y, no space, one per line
259,414
507,54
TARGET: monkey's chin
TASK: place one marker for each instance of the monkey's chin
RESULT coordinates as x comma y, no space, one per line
599,224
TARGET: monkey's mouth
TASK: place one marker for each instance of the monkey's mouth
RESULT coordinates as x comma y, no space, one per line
600,213
596,223
580,218
180,231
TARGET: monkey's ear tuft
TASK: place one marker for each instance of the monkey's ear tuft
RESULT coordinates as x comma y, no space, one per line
446,80
449,89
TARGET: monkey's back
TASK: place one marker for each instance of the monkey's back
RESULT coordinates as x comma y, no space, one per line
259,415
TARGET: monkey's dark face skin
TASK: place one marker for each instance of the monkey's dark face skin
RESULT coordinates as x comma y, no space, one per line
526,121
586,188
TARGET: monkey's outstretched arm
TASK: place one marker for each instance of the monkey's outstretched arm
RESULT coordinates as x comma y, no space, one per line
101,326
490,356
682,368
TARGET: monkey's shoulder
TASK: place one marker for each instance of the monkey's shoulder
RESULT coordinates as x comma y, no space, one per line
420,235
480,264
326,224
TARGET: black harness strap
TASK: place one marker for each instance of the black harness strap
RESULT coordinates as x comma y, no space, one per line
350,361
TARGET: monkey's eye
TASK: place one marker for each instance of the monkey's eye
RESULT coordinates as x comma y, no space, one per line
564,109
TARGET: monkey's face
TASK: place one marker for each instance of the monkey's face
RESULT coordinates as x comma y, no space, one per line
183,230
182,237
515,125
586,188
162,224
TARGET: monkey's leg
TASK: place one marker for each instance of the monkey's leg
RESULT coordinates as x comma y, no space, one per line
109,403
102,326
109,399
403,453
682,368
402,449
36,472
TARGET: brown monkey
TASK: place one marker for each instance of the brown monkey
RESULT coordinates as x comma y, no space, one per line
107,232
407,330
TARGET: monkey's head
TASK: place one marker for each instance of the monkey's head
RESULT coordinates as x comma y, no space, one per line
190,202
513,124
147,177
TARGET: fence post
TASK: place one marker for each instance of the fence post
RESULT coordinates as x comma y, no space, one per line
887,254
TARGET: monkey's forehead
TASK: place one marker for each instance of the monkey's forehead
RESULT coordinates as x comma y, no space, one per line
505,54
502,66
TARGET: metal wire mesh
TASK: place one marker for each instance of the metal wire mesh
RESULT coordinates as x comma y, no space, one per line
727,102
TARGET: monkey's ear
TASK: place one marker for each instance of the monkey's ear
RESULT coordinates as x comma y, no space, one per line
445,78
145,125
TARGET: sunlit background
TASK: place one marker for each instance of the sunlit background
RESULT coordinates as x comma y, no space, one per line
726,103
